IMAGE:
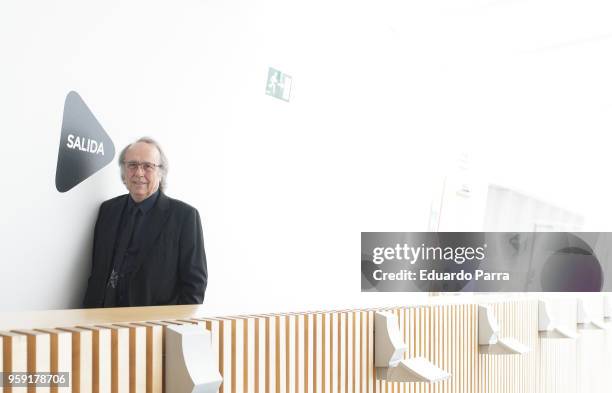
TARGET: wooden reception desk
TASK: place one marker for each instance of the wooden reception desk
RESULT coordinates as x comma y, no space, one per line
122,350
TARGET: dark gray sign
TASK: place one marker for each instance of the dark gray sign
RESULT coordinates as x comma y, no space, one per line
84,147
486,261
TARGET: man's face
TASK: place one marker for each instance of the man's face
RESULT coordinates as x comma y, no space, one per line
141,180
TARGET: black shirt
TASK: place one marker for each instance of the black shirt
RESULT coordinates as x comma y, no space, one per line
127,247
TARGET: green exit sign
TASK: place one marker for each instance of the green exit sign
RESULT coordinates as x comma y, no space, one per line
278,85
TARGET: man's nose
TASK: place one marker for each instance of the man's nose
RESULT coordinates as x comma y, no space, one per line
140,170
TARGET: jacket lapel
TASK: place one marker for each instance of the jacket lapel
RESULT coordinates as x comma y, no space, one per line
156,221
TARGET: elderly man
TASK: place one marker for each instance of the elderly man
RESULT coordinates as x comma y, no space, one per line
148,248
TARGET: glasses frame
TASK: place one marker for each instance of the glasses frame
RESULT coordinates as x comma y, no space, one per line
147,167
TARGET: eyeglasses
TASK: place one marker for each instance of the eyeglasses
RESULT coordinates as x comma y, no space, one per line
133,166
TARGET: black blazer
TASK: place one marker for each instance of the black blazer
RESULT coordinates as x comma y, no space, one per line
171,265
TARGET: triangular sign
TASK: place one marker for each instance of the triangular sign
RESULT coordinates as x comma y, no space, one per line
84,147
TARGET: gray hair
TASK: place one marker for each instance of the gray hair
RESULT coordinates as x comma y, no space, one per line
163,164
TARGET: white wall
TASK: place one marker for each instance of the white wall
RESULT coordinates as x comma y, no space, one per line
385,95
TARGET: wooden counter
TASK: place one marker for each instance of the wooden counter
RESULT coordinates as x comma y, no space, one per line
95,316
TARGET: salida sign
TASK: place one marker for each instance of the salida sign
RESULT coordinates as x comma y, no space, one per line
84,148
83,144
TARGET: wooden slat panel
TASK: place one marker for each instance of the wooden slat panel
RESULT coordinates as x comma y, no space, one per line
290,384
309,352
81,359
120,358
15,356
343,351
315,359
235,334
350,343
301,353
289,352
155,342
280,353
259,372
163,326
334,353
61,356
364,350
101,358
445,334
227,348
325,352
39,356
239,355
137,357
269,358
251,359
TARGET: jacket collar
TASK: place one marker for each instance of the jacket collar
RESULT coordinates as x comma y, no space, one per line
145,205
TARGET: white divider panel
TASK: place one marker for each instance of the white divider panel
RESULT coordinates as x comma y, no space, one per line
558,357
592,377
517,319
608,355
216,328
558,365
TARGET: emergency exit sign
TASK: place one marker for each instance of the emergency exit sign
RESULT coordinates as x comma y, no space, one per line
278,85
